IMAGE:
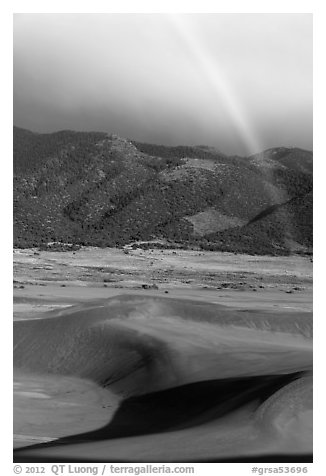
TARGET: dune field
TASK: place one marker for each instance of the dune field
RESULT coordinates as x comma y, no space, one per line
181,371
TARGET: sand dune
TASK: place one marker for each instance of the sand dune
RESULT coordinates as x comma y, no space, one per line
190,381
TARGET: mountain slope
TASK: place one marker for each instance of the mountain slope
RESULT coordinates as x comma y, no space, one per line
99,189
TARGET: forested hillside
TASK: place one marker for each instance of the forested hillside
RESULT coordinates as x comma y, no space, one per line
103,190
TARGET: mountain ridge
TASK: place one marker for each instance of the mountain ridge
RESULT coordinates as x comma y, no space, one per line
103,190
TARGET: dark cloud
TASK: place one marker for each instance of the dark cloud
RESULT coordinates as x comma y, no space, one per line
238,82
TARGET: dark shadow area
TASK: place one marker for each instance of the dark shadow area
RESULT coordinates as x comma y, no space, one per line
272,458
269,210
175,409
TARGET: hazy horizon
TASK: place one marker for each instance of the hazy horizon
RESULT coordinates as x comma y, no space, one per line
239,82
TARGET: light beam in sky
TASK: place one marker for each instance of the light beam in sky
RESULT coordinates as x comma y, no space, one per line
209,66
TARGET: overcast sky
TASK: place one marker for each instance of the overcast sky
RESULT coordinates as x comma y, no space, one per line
239,82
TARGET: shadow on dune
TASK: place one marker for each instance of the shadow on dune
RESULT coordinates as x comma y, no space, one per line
177,409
